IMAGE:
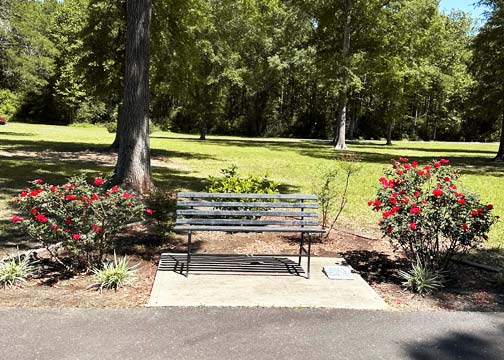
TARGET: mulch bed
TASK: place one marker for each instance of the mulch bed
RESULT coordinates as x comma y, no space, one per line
373,258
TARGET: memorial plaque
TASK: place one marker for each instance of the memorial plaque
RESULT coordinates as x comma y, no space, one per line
338,272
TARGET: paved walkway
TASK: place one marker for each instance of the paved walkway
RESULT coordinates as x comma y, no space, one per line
233,281
247,333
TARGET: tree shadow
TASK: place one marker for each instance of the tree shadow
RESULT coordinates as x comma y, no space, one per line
15,133
460,345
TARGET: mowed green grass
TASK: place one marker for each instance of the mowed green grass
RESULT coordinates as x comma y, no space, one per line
188,162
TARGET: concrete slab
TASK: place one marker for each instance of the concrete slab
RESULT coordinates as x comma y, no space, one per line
211,284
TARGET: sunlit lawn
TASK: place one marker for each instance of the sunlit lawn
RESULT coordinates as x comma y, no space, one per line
190,161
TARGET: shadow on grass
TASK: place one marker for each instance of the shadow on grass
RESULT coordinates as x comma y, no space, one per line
15,133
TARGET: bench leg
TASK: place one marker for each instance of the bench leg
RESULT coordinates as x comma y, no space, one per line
188,253
301,249
309,254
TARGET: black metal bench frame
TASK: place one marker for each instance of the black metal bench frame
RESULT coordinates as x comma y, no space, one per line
199,211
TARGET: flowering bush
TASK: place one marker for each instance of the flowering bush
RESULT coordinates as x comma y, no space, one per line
84,216
3,120
425,214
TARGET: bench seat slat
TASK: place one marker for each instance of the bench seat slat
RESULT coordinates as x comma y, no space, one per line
247,213
248,228
198,221
239,204
245,196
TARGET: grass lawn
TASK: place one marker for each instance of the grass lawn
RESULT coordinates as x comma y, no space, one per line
183,162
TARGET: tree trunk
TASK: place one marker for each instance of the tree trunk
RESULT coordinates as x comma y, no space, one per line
500,152
133,168
339,141
389,133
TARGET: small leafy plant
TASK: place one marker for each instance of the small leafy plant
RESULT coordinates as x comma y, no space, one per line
114,274
232,182
427,216
83,217
421,279
332,195
15,271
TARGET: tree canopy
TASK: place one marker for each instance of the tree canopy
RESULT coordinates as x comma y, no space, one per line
392,69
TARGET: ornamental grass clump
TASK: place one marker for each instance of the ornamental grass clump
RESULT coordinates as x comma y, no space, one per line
114,274
420,279
83,217
426,215
15,271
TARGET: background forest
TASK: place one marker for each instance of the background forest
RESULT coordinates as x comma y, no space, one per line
398,69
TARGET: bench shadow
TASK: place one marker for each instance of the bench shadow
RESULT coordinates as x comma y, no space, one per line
219,264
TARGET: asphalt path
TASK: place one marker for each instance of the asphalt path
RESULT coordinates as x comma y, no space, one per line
248,333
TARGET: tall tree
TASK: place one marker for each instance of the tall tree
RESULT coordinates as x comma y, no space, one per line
488,65
133,168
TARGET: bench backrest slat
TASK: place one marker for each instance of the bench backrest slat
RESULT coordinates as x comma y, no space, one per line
202,195
216,221
247,213
236,204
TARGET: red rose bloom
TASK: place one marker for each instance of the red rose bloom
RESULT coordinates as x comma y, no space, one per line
489,207
427,167
70,197
421,172
54,227
404,159
76,236
23,194
461,201
34,211
437,164
35,192
53,188
414,164
417,193
412,226
447,179
68,221
148,211
415,210
115,188
389,229
393,200
437,192
465,226
444,161
39,181
41,217
16,219
98,181
407,166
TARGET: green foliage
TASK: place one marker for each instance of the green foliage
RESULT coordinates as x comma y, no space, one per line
421,279
425,214
84,216
111,127
114,274
8,102
232,182
15,271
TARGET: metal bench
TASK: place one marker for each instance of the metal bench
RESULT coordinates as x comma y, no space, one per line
283,213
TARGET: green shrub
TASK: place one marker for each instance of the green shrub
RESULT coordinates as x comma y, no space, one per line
420,279
84,217
114,274
15,271
9,103
427,215
111,126
231,182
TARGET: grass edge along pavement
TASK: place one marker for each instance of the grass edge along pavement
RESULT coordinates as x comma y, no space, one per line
187,163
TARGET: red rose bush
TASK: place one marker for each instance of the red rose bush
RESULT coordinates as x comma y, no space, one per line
426,215
84,217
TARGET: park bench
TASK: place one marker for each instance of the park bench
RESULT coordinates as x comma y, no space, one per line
261,213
